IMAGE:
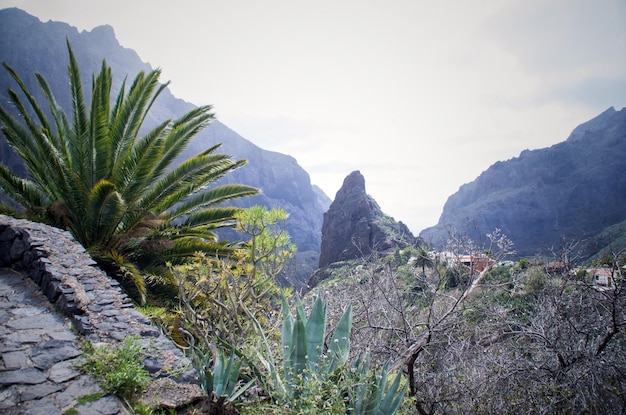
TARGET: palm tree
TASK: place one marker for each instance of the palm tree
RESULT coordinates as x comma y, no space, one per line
93,173
423,259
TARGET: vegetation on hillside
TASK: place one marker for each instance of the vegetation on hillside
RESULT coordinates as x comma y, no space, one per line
536,336
611,239
485,336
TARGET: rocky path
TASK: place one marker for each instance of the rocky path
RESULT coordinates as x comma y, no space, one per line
59,286
39,350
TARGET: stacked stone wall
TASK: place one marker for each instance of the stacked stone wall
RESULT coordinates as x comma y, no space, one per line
94,302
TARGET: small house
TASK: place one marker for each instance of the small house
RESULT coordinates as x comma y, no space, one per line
474,263
602,277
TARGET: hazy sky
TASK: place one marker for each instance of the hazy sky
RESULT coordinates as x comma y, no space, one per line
420,96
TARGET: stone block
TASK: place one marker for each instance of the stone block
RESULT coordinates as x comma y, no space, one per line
67,303
8,398
45,280
6,241
53,291
82,324
15,360
7,233
37,275
63,371
165,393
29,376
39,391
19,246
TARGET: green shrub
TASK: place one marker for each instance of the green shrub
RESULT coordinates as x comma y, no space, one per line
498,275
582,275
535,280
455,276
524,263
118,368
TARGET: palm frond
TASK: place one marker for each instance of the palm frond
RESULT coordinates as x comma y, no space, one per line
105,209
5,209
60,139
128,272
179,183
212,197
212,218
51,171
23,191
41,157
79,139
18,136
100,146
136,173
192,176
31,99
184,249
125,126
182,131
22,139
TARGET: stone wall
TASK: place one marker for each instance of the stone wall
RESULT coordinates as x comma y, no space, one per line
94,302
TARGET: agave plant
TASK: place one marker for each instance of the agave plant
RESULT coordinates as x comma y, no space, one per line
307,362
304,353
219,375
371,394
93,173
303,339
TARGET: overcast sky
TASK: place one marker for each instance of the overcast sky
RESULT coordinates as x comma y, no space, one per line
420,96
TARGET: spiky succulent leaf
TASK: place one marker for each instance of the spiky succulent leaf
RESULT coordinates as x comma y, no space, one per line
286,333
339,347
393,395
298,352
316,332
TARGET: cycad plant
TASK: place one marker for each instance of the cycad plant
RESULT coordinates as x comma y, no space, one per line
93,173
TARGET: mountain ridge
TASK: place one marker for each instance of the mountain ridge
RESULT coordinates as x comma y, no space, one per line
537,198
567,191
29,45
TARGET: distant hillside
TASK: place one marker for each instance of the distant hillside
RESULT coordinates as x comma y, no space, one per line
572,190
29,46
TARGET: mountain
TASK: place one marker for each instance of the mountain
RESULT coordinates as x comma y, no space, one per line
29,46
570,191
355,227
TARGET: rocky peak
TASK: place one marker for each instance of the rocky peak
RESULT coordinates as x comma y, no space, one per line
354,226
353,187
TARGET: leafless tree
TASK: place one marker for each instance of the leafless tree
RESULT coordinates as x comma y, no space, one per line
505,340
557,349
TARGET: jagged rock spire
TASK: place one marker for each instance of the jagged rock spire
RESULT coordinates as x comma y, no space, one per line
353,225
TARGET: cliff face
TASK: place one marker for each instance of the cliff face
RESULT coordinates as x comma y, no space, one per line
571,190
355,226
29,46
